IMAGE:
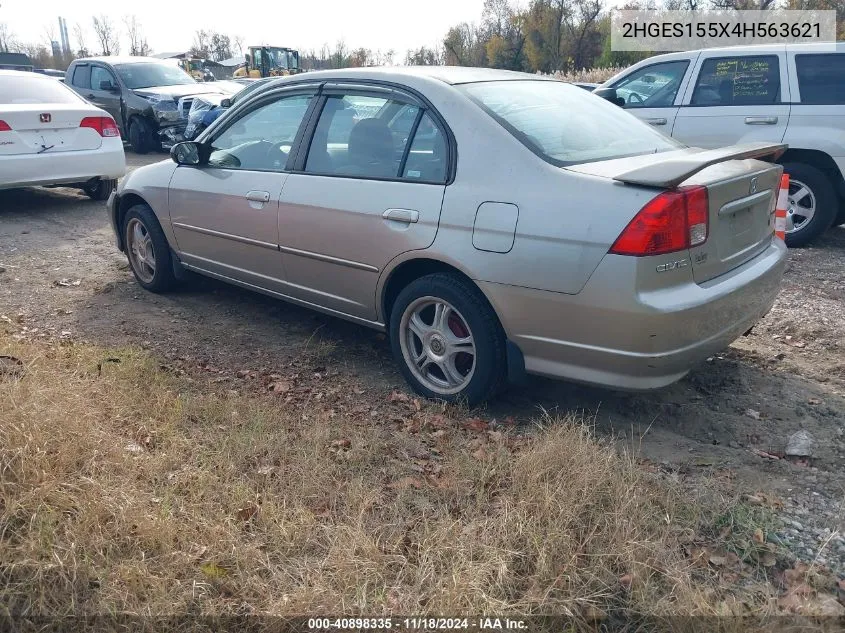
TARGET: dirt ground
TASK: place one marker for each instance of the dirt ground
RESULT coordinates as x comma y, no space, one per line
61,277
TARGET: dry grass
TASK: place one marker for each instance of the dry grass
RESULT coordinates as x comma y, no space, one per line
126,487
589,75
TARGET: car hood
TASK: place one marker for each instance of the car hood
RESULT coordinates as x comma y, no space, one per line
180,90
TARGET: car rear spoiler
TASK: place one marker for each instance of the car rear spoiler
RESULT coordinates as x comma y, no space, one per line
671,172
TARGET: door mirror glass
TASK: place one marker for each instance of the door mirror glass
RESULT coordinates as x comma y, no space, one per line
186,153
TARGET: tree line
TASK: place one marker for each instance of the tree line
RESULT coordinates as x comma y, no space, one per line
544,36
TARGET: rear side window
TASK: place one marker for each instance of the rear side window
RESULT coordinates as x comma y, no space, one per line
821,79
427,156
747,80
34,89
564,124
362,136
82,77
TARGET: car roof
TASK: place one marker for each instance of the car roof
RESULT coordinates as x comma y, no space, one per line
4,72
452,75
126,59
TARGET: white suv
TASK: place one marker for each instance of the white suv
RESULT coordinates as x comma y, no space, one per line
793,94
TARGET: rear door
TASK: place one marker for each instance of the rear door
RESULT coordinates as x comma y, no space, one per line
736,98
652,93
369,188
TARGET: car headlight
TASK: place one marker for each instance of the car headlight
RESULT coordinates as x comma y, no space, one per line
163,106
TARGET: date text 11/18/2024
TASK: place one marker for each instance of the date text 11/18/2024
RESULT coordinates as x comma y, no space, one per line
417,623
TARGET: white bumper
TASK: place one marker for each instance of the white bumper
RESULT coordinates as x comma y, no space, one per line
32,170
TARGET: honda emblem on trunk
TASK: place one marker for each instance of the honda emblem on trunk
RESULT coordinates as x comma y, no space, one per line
753,185
45,117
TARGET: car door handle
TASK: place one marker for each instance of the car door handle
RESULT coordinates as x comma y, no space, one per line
657,121
258,196
761,120
408,216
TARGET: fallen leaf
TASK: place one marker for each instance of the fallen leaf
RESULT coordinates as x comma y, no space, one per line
265,470
476,424
398,396
407,482
718,559
758,536
212,570
344,443
280,386
626,581
243,373
480,454
246,513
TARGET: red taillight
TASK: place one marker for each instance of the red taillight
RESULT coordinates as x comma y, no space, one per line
4,127
673,221
104,125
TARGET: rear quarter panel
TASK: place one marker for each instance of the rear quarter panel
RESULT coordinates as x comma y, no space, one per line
566,221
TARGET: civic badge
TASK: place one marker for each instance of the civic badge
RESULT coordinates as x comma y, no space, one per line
45,117
753,185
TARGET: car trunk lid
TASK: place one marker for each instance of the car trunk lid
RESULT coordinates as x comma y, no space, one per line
742,192
49,128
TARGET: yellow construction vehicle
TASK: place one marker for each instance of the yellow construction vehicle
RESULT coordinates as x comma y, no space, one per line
269,61
194,67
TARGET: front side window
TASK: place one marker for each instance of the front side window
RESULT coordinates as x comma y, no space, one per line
99,75
564,124
361,136
151,75
821,78
261,139
653,86
729,81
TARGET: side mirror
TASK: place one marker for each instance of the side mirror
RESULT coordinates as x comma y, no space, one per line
609,94
186,153
108,86
226,103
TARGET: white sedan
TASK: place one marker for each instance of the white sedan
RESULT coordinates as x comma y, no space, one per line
49,135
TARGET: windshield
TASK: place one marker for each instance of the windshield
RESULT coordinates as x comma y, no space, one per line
24,88
147,75
565,125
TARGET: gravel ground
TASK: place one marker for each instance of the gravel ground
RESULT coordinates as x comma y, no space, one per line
62,278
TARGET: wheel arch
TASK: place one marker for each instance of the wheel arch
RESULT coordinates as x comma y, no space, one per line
821,161
404,271
125,202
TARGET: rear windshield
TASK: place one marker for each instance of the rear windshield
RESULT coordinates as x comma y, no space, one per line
34,89
564,124
151,75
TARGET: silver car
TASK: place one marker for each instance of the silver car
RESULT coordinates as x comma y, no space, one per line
492,223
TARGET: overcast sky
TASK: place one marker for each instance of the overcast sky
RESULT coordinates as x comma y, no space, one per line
302,24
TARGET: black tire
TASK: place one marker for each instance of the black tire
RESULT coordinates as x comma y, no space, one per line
840,217
101,190
141,136
490,368
162,278
827,204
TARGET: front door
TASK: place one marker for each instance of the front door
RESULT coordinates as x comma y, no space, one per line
225,213
735,99
107,99
370,188
652,93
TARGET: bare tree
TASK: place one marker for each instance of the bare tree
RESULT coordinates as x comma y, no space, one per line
79,37
221,47
137,42
202,44
106,34
8,43
339,56
238,45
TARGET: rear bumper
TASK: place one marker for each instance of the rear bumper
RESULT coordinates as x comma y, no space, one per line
32,170
614,336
